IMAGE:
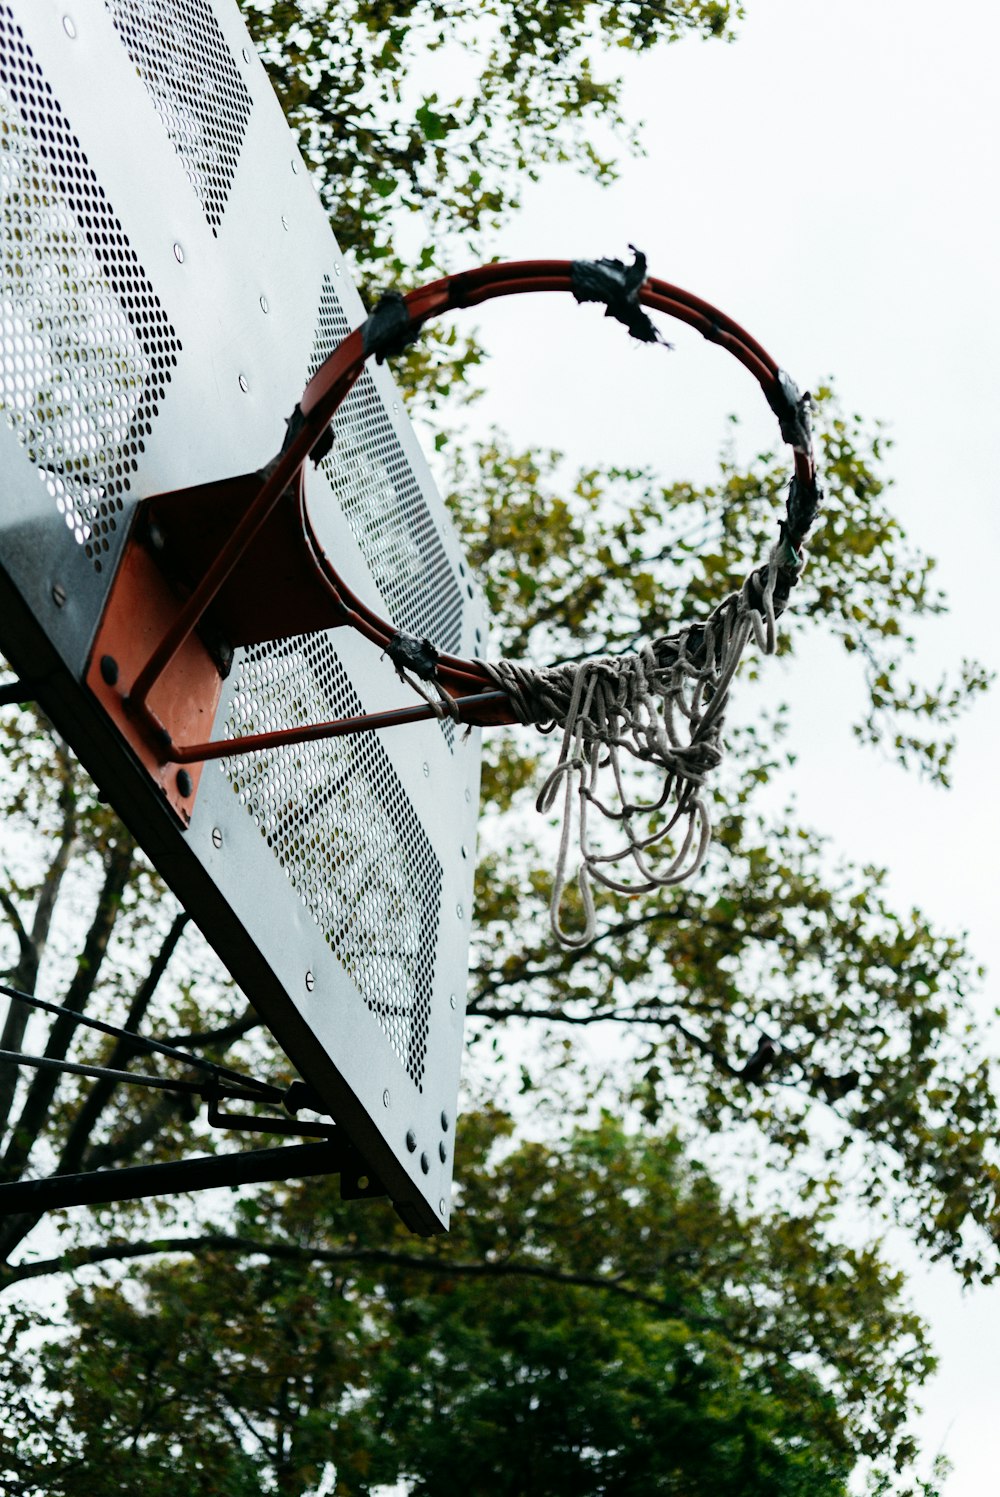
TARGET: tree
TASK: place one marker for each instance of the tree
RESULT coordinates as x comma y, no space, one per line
877,1087
602,1321
361,86
351,80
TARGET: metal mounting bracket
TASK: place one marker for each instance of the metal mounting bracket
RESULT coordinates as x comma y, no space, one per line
333,1156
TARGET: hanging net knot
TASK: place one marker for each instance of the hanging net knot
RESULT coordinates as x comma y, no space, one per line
793,410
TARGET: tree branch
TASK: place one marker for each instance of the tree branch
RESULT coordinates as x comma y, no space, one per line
562,1016
23,939
151,1122
57,868
824,1086
610,1016
42,1090
32,947
543,964
245,1247
224,1035
101,1092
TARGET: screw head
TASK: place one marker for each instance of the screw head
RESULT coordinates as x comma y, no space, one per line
363,1182
386,1099
216,836
109,670
184,784
411,1140
58,594
310,982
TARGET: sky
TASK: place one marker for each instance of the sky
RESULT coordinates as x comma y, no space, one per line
830,180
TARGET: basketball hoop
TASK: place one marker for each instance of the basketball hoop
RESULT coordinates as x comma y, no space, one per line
662,705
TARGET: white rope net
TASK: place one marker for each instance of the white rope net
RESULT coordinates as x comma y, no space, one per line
662,705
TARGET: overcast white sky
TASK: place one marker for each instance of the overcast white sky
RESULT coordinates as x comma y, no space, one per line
831,181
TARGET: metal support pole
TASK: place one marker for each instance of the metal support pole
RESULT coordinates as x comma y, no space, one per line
16,691
99,1187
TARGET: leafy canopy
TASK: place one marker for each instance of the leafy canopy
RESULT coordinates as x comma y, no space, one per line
600,1321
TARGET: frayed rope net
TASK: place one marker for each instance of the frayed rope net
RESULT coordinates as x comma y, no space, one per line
663,705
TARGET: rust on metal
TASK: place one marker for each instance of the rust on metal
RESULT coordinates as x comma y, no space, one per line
141,606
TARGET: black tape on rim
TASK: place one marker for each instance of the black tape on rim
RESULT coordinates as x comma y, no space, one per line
617,285
792,410
408,653
388,329
321,447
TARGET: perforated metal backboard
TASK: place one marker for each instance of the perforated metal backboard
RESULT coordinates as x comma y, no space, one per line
168,282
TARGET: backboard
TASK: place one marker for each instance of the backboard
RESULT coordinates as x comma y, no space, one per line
168,283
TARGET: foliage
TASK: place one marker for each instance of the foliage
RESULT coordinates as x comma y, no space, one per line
600,1321
362,84
869,1007
423,121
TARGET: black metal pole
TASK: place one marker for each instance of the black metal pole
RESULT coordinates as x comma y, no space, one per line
99,1187
248,1093
142,1042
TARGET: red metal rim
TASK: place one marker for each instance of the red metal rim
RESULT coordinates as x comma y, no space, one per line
323,396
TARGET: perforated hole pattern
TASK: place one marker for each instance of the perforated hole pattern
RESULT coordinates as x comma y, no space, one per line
182,58
387,512
344,830
87,350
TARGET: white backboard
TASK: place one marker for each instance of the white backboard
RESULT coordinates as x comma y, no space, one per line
168,282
